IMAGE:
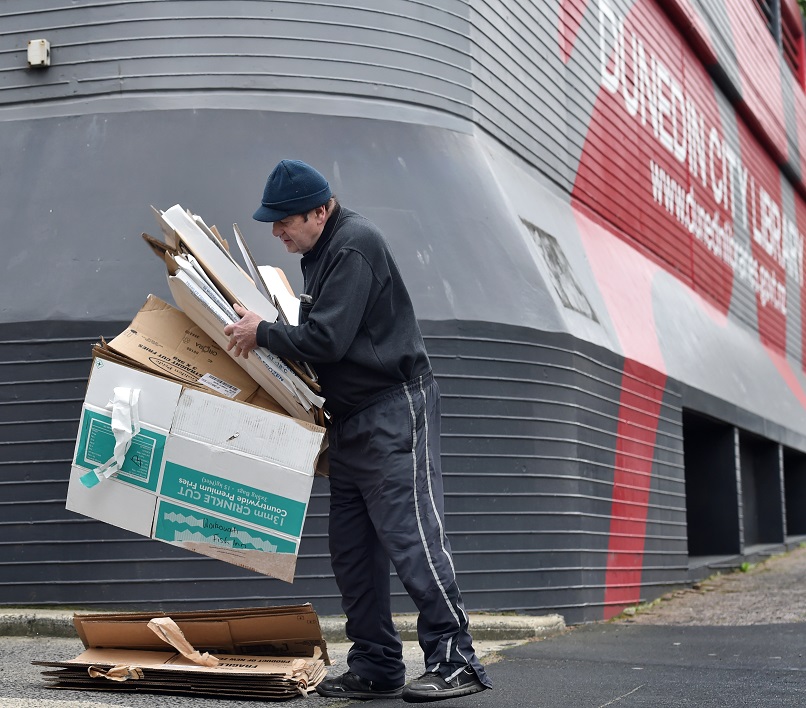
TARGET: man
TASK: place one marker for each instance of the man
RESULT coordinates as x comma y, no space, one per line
357,327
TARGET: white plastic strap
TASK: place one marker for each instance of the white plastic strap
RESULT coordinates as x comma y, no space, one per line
125,425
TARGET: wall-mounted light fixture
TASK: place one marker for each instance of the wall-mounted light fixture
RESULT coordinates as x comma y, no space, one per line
38,53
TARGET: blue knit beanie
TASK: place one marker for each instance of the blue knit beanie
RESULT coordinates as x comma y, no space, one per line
293,187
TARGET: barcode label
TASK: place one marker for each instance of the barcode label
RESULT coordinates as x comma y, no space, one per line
217,384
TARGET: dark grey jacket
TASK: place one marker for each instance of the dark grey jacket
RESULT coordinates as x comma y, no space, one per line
360,332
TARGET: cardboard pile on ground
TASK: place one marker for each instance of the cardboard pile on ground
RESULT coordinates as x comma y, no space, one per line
206,281
274,653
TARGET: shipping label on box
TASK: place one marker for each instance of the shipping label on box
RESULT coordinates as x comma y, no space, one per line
214,476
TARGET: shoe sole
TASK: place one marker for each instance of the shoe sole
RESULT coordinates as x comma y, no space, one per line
429,696
360,695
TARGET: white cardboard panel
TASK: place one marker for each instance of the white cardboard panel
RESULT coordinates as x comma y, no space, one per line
158,397
215,330
259,505
214,260
240,469
112,502
249,430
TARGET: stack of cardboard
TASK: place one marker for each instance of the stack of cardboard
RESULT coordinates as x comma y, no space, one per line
184,443
270,654
163,340
206,281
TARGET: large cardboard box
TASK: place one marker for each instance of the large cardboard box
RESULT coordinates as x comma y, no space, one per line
272,653
215,476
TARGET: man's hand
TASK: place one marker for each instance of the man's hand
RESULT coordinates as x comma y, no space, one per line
243,333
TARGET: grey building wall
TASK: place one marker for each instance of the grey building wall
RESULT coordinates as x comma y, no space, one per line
458,127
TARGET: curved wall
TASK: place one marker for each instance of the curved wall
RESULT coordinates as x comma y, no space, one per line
673,138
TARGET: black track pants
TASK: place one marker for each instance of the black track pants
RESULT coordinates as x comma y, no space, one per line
386,503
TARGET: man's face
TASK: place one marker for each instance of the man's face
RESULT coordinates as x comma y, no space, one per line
298,235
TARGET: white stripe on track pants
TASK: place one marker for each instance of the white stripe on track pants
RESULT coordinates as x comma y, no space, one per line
386,502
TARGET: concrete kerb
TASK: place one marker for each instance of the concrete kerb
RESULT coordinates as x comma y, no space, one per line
483,626
36,623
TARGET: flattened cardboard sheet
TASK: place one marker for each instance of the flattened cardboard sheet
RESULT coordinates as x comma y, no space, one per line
285,630
121,646
165,340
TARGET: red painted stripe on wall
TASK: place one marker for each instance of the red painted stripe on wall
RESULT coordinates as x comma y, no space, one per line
625,279
642,391
787,374
571,14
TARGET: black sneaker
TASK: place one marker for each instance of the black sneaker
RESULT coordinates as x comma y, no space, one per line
433,687
350,685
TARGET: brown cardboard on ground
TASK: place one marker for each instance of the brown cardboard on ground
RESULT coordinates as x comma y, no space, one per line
288,630
165,340
272,653
266,678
